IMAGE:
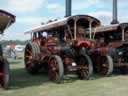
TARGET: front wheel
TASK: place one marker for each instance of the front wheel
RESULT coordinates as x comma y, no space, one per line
105,65
55,69
85,67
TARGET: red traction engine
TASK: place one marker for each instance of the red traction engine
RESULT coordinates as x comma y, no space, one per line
6,19
60,47
111,50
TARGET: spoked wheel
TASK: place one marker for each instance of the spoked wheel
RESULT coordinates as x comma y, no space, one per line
31,54
55,69
4,74
105,66
85,67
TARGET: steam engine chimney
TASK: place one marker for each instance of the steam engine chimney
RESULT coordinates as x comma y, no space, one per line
68,8
115,19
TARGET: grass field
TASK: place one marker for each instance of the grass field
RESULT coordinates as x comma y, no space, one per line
23,84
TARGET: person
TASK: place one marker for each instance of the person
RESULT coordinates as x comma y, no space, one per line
42,37
9,52
13,53
100,42
81,32
45,34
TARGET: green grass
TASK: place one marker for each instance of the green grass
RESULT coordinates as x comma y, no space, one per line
23,84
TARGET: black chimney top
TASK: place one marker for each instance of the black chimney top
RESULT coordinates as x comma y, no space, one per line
68,8
115,13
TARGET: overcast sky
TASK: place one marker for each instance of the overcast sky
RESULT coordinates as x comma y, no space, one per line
30,13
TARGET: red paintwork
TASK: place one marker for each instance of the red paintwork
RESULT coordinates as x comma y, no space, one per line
85,43
115,44
103,50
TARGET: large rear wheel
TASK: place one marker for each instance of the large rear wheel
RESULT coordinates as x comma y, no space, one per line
31,56
55,69
85,67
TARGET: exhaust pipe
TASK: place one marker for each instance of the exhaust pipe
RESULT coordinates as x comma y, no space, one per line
115,13
68,8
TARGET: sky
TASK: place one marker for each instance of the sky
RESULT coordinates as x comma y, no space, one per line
30,13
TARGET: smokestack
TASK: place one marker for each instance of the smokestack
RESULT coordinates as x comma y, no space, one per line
115,19
68,8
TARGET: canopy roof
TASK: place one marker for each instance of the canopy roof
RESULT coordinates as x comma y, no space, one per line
111,27
6,19
62,22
